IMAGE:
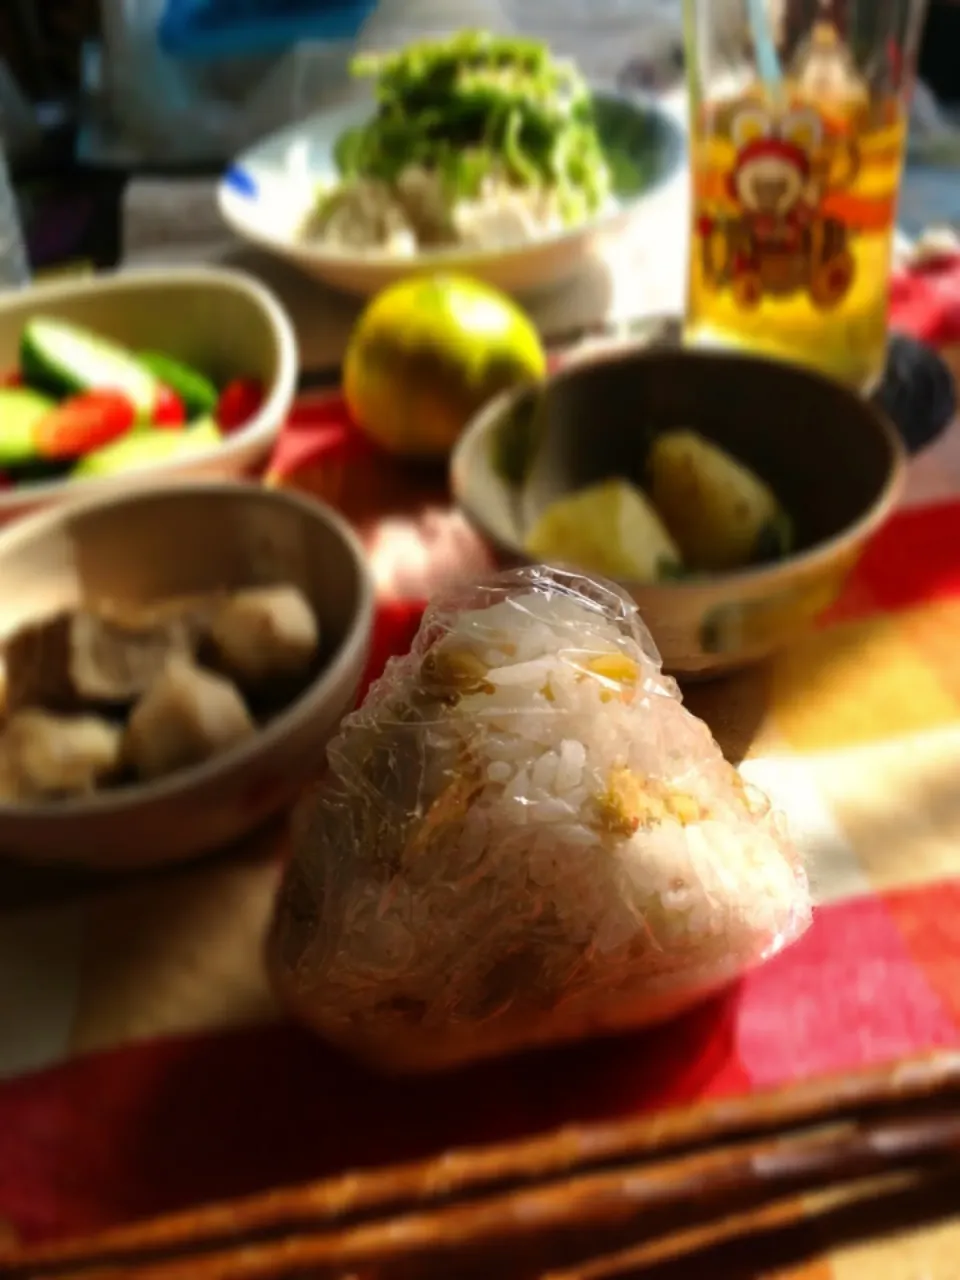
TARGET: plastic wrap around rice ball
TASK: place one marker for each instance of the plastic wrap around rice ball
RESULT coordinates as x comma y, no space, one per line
525,838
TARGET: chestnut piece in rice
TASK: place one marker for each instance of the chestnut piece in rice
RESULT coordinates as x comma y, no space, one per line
524,837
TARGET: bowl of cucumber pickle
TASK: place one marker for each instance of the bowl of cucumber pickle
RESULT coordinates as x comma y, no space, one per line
138,377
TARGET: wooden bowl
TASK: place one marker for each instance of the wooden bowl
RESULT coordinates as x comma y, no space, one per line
833,459
149,545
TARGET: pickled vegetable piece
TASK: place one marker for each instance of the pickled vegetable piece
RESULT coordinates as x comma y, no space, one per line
610,528
720,514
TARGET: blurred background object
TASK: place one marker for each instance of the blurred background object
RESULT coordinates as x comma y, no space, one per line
939,60
14,269
171,87
42,42
188,82
19,121
202,29
101,96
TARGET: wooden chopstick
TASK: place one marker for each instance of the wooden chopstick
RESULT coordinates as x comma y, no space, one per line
568,1152
584,1205
780,1233
510,1223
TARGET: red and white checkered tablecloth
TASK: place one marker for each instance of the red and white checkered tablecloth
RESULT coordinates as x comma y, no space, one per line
145,1066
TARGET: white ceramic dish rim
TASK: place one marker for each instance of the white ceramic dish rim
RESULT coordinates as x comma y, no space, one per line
255,435
316,253
125,799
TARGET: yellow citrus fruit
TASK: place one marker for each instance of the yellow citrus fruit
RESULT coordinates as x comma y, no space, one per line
427,353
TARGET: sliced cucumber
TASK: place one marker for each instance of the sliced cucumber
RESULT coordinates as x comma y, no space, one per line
20,411
197,392
67,359
147,449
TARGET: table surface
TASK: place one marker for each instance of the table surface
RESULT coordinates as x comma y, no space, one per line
855,732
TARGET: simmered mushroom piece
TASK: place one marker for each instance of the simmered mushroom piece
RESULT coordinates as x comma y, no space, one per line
187,716
191,612
45,756
82,659
263,634
185,678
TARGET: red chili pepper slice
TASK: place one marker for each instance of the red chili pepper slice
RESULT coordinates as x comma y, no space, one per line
239,401
12,379
168,408
83,423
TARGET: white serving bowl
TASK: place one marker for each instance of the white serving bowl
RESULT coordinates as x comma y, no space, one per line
221,321
269,190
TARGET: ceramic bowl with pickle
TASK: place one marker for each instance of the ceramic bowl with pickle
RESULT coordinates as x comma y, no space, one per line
730,495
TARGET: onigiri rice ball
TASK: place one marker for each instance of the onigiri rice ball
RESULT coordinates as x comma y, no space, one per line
524,838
